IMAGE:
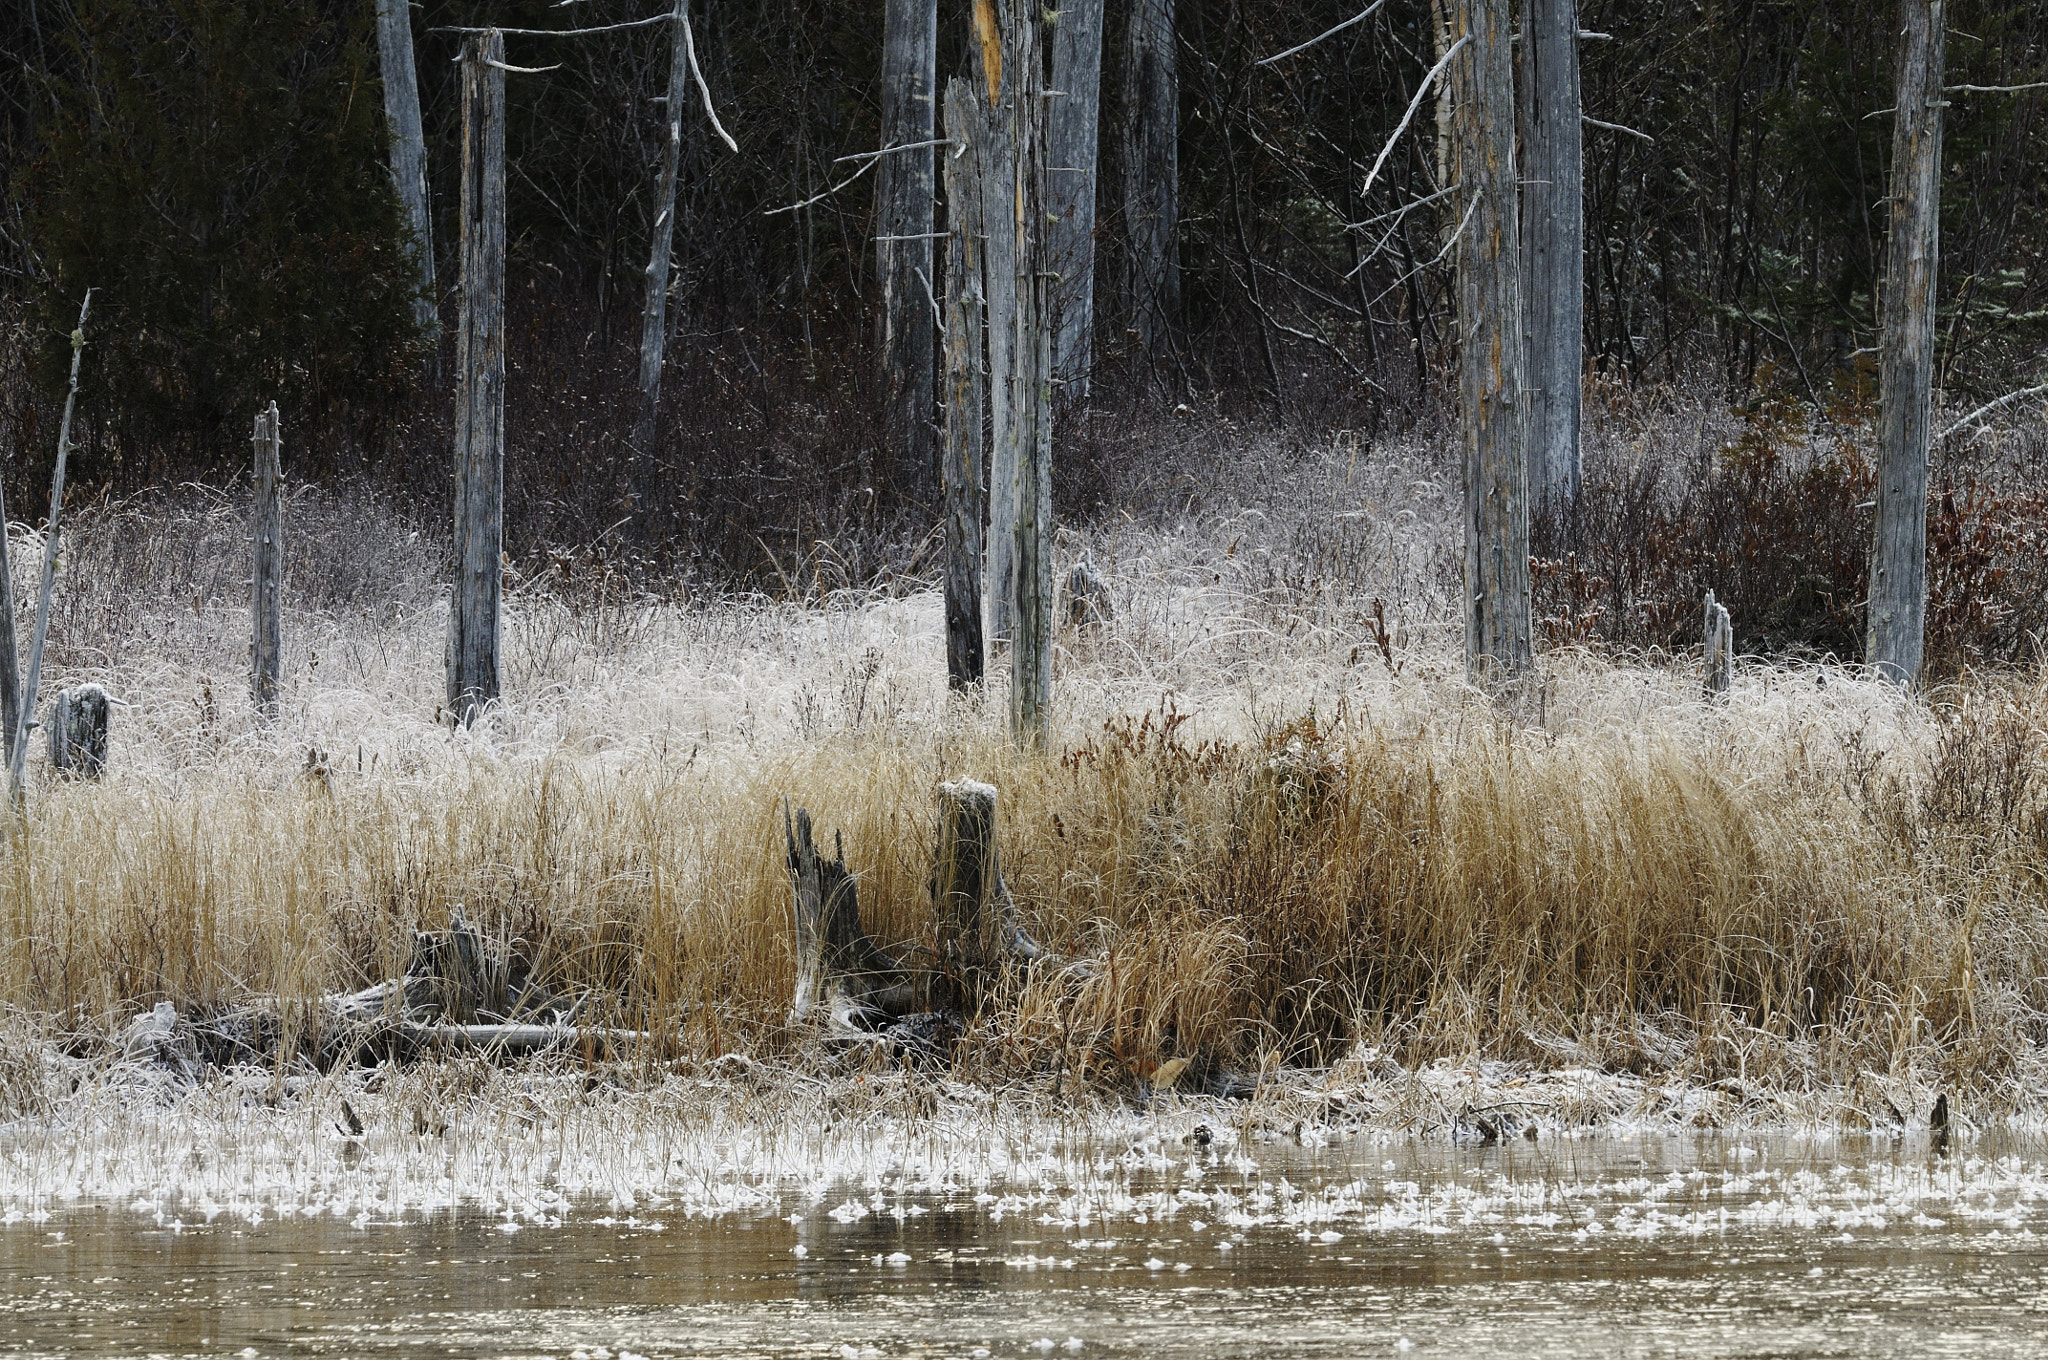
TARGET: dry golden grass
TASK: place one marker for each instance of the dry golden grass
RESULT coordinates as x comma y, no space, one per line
1283,834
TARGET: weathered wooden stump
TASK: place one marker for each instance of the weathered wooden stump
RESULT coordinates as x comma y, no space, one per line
1720,638
1088,599
838,966
78,731
978,927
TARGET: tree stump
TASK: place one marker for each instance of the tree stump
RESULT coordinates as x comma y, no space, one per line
837,965
1088,595
78,731
1720,638
978,927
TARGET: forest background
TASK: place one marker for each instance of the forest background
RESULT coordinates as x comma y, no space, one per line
218,172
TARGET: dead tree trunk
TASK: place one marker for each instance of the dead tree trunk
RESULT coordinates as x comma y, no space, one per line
266,539
903,195
10,659
408,148
654,314
17,756
978,927
1030,399
1490,349
1073,152
838,966
1720,649
993,22
480,400
1898,557
1151,172
965,393
1553,257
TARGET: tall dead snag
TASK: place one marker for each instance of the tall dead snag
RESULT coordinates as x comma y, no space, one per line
964,390
1030,400
480,398
1073,152
910,44
1898,556
654,313
1151,171
997,79
408,147
10,659
1553,256
266,542
1492,419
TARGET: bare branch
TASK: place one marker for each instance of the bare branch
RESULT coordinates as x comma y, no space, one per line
1354,19
1409,117
1591,121
703,88
1988,407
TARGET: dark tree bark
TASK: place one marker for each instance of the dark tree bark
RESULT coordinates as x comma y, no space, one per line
1553,257
1030,395
1151,172
408,146
1898,558
473,660
1491,369
654,313
964,388
1073,151
266,577
904,225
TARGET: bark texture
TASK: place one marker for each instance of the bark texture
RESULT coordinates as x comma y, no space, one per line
408,146
1491,370
266,577
1898,557
1553,234
1073,150
904,195
1151,172
1030,399
996,78
473,662
965,390
654,314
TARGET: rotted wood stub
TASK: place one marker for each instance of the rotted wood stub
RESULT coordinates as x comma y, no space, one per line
1720,649
966,880
838,967
79,718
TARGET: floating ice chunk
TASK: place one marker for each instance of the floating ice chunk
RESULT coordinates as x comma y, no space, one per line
1044,1343
800,1251
898,1258
1327,1236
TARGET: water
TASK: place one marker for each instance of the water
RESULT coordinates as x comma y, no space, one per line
1600,1247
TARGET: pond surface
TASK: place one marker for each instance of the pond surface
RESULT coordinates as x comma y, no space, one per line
1609,1247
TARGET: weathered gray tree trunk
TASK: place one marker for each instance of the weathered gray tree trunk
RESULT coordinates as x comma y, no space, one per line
654,313
1492,415
1030,399
79,718
1073,153
904,198
993,22
1553,257
838,966
1898,557
17,756
1151,172
978,928
480,399
408,147
10,658
266,576
964,389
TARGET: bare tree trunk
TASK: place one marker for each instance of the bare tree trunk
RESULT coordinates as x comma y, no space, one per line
266,537
1554,256
1030,398
910,42
654,315
992,24
965,392
480,400
17,755
1151,171
1073,153
408,148
10,657
1898,557
1491,342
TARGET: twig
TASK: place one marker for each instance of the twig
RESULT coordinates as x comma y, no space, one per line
562,32
1591,121
703,87
1993,89
819,198
1409,116
26,722
890,150
1354,19
1988,407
